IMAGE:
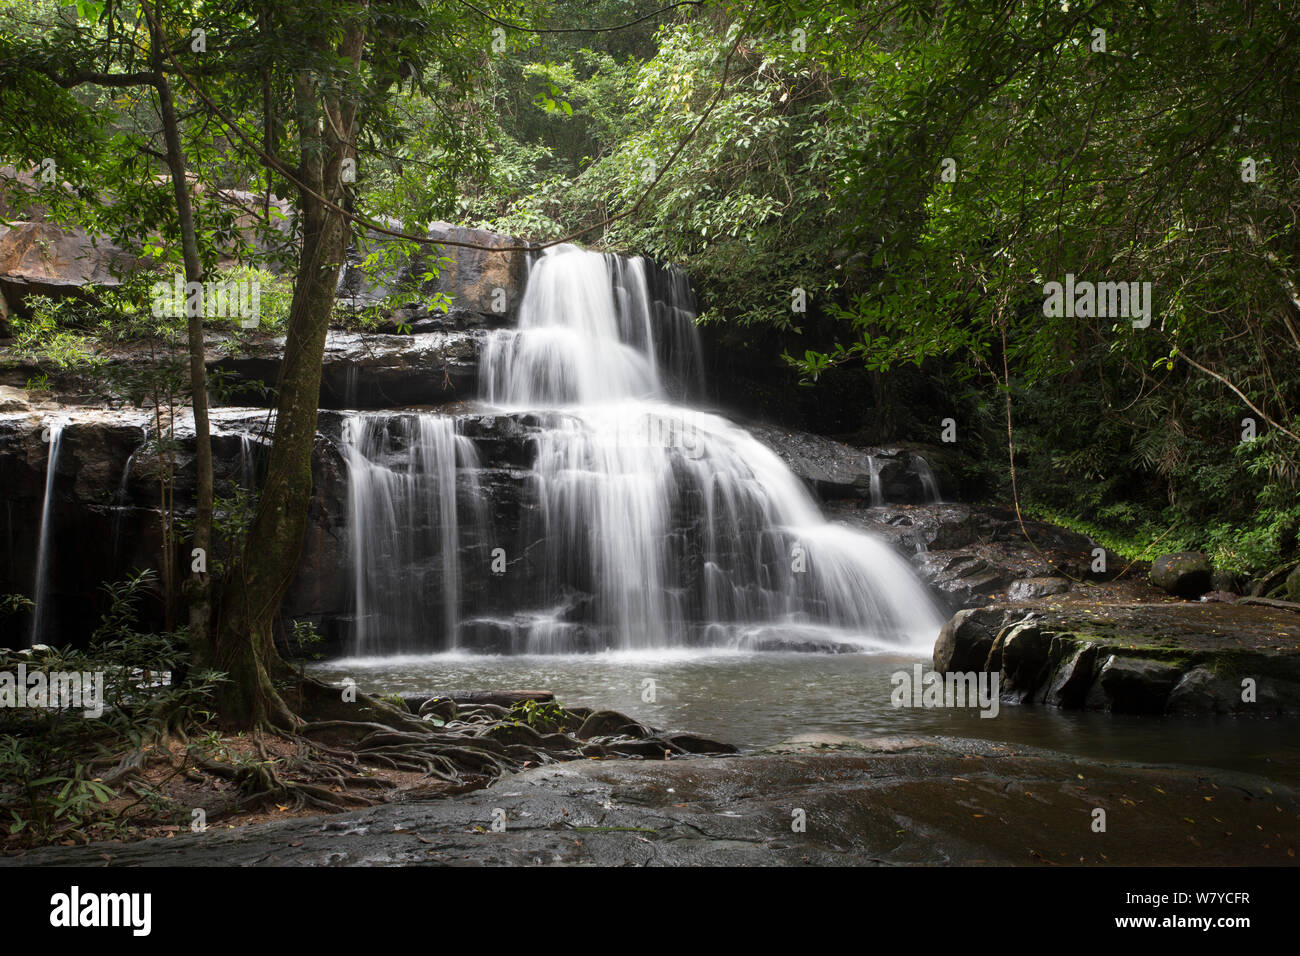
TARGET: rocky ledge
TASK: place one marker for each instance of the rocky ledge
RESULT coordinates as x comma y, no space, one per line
358,371
821,801
971,555
1170,658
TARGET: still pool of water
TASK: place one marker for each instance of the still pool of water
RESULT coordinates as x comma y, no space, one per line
754,700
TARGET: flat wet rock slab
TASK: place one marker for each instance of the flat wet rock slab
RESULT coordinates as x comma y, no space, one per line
890,801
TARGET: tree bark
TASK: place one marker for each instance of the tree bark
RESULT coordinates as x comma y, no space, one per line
251,603
198,588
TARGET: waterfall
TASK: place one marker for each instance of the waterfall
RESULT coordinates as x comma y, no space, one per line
54,435
121,502
246,462
590,332
644,523
703,535
877,492
928,483
403,528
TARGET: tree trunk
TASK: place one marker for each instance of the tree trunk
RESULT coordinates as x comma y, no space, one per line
198,588
251,603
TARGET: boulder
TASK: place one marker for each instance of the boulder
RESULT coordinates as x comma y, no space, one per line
1072,674
1224,582
610,723
1028,589
965,641
1201,691
1185,574
1132,685
1171,658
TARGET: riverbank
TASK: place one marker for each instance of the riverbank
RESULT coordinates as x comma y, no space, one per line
817,801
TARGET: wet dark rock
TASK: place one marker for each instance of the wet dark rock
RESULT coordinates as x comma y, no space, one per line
975,555
1072,669
923,802
689,743
1219,597
1028,589
1202,691
609,723
1224,582
1132,685
791,639
836,470
365,371
1269,602
439,708
1132,658
1184,574
965,641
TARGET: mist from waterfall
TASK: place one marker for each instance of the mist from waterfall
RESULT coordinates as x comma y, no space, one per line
671,526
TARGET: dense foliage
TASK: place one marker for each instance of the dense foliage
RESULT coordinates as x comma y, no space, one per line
921,171
915,172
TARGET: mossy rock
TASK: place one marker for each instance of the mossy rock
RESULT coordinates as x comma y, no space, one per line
1186,574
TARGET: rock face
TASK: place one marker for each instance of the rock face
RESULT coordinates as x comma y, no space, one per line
481,272
1185,574
485,286
834,470
372,371
359,371
43,259
972,556
106,484
1139,658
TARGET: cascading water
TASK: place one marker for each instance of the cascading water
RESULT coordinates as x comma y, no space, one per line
928,483
645,523
54,437
589,332
877,492
403,526
121,501
246,462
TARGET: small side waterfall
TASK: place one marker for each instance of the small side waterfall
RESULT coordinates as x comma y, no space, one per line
877,492
928,483
403,527
54,435
121,504
246,462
